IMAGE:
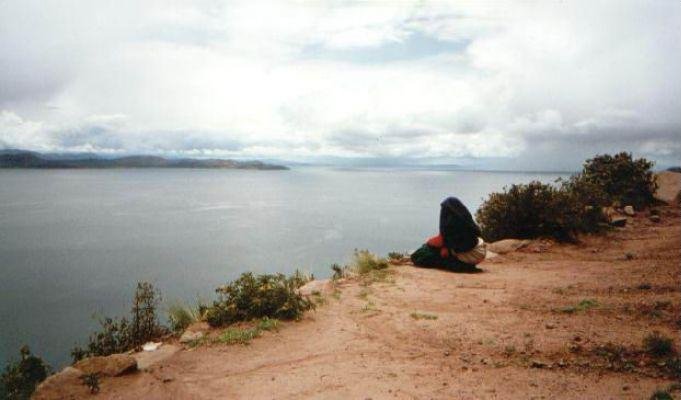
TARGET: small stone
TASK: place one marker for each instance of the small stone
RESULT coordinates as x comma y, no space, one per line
655,218
550,326
538,364
629,256
446,353
629,210
618,221
189,336
625,388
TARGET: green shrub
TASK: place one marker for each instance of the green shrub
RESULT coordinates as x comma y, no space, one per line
525,211
251,296
20,379
120,335
623,179
575,205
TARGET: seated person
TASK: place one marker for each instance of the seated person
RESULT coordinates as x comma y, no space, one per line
459,246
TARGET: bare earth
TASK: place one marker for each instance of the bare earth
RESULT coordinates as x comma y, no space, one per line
504,333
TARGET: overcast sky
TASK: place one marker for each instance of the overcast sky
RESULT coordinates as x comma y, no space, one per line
525,85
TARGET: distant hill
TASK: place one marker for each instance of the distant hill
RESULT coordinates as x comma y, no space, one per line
13,158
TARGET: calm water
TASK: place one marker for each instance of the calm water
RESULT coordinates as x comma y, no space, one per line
74,243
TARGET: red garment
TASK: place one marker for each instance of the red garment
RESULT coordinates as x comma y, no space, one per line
439,242
436,241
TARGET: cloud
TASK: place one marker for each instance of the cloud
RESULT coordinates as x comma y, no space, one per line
538,84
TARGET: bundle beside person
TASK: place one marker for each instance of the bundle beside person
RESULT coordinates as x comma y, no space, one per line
458,246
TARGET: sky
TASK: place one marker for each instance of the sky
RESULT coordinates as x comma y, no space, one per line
514,85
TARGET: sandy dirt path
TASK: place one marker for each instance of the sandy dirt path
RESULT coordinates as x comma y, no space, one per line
505,333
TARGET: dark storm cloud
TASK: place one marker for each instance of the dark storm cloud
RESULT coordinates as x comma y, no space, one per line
544,83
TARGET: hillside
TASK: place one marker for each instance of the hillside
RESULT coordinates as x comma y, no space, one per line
28,159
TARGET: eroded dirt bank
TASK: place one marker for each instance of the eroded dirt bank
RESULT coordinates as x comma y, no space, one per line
544,322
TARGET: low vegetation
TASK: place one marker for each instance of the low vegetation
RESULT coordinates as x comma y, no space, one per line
241,334
92,382
118,335
181,315
570,207
583,305
19,379
417,316
366,262
258,296
658,345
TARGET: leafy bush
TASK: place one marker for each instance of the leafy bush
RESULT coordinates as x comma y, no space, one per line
623,179
575,205
21,378
251,296
527,211
120,335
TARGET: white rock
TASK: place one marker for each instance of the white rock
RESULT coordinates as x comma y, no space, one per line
668,187
151,346
629,210
506,245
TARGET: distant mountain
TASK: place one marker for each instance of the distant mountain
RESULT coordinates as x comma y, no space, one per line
13,158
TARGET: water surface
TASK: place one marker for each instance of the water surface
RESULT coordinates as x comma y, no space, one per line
75,242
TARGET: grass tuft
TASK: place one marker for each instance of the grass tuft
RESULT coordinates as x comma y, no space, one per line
366,262
418,316
658,345
583,305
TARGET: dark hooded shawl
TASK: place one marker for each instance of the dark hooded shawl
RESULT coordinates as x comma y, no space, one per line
457,227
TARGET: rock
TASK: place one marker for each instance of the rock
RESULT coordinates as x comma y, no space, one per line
668,187
609,213
618,221
506,245
322,286
490,255
146,359
63,385
550,326
189,336
151,346
538,364
629,210
113,365
655,218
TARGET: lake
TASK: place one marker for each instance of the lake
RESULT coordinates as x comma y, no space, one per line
73,243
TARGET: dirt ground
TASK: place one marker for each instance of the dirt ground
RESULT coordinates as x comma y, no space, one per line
516,330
